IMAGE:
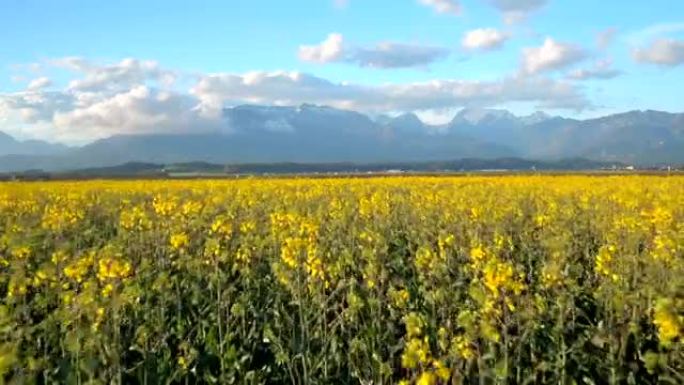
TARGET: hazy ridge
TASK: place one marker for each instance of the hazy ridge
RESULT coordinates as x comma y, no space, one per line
315,134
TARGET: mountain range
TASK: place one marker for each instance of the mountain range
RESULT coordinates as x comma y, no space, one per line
9,145
319,134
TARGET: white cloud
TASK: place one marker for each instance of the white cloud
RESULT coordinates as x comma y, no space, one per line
484,39
120,75
552,55
443,6
102,100
72,63
36,106
515,11
602,69
78,117
665,52
78,114
382,55
293,88
39,83
437,117
138,110
330,50
605,38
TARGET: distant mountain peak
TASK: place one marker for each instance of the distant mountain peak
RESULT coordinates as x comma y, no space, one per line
308,107
477,115
536,117
407,123
12,146
5,137
311,133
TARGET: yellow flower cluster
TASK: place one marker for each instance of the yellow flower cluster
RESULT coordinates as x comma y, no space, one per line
417,354
112,268
77,269
179,241
670,325
135,219
433,279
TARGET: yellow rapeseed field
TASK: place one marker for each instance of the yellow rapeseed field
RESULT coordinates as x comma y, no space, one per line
410,280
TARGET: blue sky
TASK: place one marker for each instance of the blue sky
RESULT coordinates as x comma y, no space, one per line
78,70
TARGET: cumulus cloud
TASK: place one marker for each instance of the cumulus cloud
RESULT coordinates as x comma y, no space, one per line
330,50
484,39
138,110
119,75
602,69
78,114
443,6
552,55
293,88
130,96
37,106
665,52
39,83
78,117
605,38
515,11
382,55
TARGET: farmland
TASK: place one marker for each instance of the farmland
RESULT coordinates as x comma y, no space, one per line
425,280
